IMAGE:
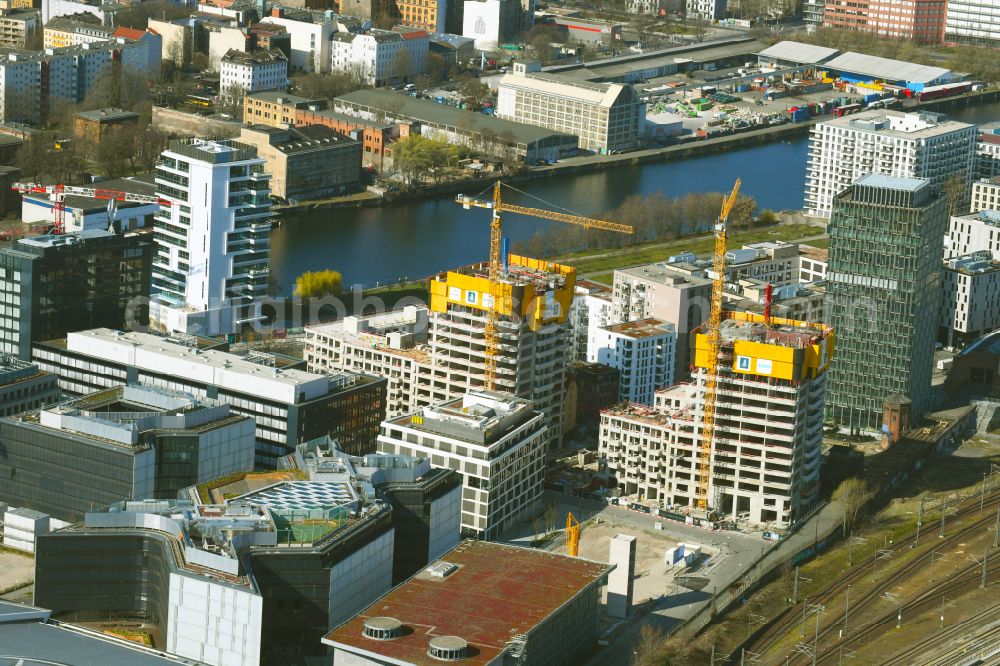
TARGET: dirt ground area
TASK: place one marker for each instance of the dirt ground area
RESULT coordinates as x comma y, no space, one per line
16,570
652,577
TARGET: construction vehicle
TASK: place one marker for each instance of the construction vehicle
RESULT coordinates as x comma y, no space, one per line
497,269
572,535
58,194
712,337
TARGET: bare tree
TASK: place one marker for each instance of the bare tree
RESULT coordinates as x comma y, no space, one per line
402,64
852,493
700,27
649,648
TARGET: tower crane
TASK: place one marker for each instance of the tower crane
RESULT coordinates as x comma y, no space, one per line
497,269
712,337
58,193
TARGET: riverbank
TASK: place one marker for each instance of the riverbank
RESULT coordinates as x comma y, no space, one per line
593,163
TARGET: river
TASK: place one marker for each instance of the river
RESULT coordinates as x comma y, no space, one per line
413,240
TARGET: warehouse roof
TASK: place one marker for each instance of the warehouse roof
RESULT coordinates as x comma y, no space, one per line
425,111
804,54
886,69
483,593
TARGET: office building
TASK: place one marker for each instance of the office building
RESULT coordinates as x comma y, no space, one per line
430,355
607,117
975,232
920,21
908,145
496,442
426,501
28,633
241,72
55,284
884,286
643,351
666,293
975,22
123,443
212,260
289,406
276,109
24,387
970,297
241,584
492,23
466,597
17,25
768,426
308,162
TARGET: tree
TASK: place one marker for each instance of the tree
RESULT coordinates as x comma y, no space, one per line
417,156
315,284
437,67
175,52
475,94
137,15
231,101
700,27
768,217
402,64
649,647
325,86
853,494
112,152
954,189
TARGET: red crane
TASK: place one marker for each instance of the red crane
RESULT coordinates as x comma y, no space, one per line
59,192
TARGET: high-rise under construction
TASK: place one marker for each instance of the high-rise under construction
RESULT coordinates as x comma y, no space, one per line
768,430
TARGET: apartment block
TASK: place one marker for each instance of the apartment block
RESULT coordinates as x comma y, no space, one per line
123,443
986,194
988,151
306,162
211,267
975,232
971,297
379,57
310,38
710,10
289,405
16,25
884,285
241,72
910,145
669,294
922,21
24,387
428,15
975,22
494,440
221,582
75,29
766,447
591,302
51,285
607,117
437,353
276,109
643,351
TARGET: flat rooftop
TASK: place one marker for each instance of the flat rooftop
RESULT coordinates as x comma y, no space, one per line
797,52
909,125
495,593
517,274
641,328
886,68
666,274
108,115
781,332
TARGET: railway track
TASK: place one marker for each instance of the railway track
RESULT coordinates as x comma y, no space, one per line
927,543
965,580
956,631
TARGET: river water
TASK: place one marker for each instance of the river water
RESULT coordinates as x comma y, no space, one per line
413,240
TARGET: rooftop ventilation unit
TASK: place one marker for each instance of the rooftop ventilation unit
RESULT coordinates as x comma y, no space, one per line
442,569
448,648
382,628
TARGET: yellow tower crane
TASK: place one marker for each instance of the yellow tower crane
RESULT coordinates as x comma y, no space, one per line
572,535
712,337
497,269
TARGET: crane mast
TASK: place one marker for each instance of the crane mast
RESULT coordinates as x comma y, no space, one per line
712,337
491,333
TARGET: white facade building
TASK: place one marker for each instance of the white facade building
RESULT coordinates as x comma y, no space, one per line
607,117
975,232
495,441
211,268
973,22
492,22
986,194
643,351
710,10
380,56
253,72
591,308
310,42
988,151
971,291
909,145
